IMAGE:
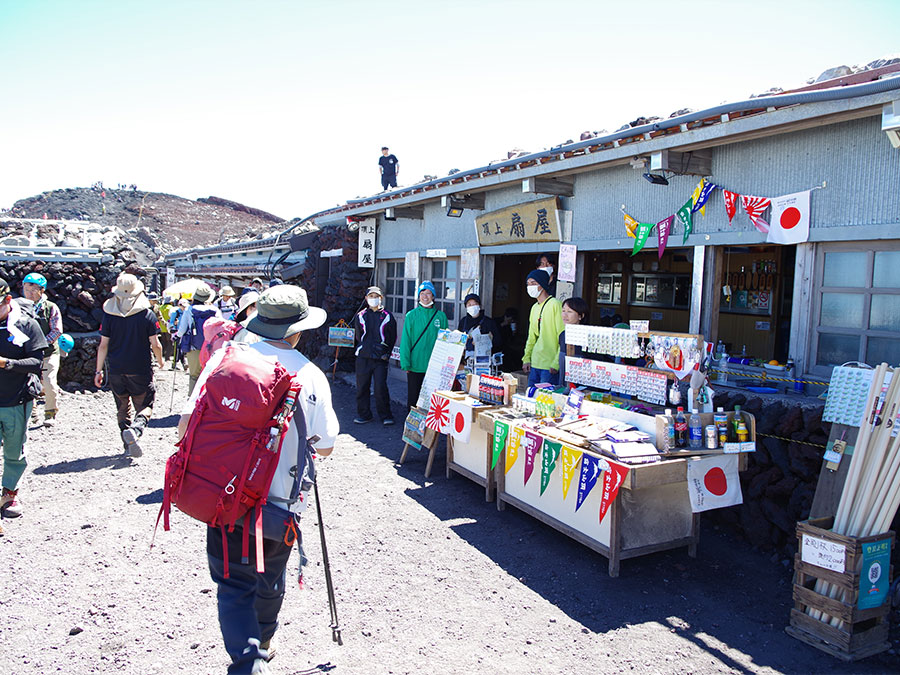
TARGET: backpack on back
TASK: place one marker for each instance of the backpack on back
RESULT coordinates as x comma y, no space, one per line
225,462
216,332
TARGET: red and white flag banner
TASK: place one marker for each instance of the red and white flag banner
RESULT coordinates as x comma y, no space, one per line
755,207
713,482
730,203
438,417
460,421
790,219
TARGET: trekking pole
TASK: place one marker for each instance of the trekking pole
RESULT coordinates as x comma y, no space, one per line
175,359
332,605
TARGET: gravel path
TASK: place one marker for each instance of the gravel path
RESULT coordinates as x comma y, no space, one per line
428,576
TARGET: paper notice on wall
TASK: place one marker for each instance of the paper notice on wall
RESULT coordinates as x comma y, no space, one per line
443,364
411,265
567,257
468,263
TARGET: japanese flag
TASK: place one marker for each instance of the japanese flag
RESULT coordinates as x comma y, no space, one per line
790,219
713,482
460,421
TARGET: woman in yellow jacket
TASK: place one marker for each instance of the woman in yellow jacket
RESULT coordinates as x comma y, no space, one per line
541,359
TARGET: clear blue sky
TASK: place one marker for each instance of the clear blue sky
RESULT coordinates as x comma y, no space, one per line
285,105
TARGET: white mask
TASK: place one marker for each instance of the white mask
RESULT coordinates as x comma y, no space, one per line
374,303
548,270
533,291
473,310
426,304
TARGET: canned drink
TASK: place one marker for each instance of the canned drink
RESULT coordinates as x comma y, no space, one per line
712,437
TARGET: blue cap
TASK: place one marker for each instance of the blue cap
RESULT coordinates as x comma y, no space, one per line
35,278
426,286
66,343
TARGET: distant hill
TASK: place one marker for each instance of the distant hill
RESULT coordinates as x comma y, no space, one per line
165,223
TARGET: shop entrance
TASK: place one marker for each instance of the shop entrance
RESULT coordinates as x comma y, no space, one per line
755,319
621,287
512,305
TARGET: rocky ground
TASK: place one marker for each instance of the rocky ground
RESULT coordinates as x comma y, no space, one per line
428,576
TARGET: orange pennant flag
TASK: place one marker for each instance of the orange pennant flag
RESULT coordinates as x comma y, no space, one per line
630,225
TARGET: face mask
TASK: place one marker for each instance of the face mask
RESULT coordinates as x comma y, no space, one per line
533,291
374,303
426,304
473,310
548,270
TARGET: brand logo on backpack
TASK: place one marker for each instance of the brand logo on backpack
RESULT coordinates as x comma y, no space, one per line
232,403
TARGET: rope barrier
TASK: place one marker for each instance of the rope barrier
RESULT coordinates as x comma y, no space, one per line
765,376
791,440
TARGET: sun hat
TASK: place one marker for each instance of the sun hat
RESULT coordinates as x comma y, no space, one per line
375,290
541,277
227,291
128,297
282,311
203,293
247,299
35,278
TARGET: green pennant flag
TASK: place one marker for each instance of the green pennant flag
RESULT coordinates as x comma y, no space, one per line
684,215
501,430
640,236
548,462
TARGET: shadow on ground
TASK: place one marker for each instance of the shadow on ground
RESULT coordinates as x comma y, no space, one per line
85,464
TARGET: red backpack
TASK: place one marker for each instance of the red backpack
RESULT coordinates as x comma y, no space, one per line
216,332
224,464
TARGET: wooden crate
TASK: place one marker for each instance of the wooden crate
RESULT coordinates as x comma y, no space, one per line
864,631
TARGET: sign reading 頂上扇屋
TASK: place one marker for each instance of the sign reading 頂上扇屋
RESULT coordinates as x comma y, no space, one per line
522,223
367,243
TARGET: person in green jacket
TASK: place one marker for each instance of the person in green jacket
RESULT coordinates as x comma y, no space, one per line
420,329
541,359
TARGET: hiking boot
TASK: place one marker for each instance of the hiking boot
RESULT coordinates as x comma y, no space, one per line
49,418
130,437
269,647
9,504
362,420
388,422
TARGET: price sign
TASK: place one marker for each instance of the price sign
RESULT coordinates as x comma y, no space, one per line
823,553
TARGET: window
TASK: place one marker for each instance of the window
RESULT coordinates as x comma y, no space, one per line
660,290
450,290
857,309
399,292
609,289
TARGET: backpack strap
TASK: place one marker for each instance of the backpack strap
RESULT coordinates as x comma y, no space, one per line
422,334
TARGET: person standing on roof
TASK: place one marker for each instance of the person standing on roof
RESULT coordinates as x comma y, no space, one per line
420,330
376,335
389,167
48,316
190,330
128,334
545,323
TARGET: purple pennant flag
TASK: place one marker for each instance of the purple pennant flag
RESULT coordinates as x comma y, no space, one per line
663,228
532,443
705,193
590,471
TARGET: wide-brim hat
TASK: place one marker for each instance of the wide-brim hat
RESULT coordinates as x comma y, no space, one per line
282,311
128,297
226,292
244,303
128,286
203,293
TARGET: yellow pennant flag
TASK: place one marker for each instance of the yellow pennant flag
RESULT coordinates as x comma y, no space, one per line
512,447
570,458
630,225
696,195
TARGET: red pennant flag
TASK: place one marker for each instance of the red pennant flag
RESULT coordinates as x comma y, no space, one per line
755,207
613,477
663,228
730,203
532,443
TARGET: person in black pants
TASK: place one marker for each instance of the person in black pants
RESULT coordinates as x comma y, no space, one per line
376,335
389,168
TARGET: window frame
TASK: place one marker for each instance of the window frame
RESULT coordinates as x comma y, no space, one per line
407,299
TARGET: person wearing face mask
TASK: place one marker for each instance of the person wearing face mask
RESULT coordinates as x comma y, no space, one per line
545,262
541,359
476,318
420,329
573,312
376,335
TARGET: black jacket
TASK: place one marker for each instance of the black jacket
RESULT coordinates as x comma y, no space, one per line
486,325
376,333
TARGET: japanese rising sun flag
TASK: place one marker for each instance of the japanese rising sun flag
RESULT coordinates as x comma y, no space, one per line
713,482
438,417
755,207
790,219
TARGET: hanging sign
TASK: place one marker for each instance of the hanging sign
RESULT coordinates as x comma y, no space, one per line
532,444
411,265
631,225
549,455
170,276
701,195
590,471
613,477
687,220
512,447
366,243
640,239
570,457
663,228
468,263
567,257
536,221
341,337
790,219
501,430
755,207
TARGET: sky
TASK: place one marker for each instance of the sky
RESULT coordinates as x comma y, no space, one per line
284,106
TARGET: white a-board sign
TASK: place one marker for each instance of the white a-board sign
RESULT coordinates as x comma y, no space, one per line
823,553
442,365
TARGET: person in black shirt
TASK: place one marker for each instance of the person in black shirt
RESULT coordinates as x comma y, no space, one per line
22,346
129,332
389,169
376,335
476,318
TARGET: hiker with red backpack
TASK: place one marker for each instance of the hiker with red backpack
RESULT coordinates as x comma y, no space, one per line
244,466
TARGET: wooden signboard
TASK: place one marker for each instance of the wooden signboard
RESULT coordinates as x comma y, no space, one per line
536,221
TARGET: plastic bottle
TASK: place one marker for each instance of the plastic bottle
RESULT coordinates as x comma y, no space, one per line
695,427
669,438
735,423
720,418
681,429
742,434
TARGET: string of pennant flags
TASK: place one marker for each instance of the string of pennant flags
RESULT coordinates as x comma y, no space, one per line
513,441
789,218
